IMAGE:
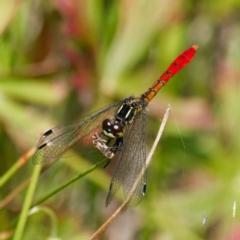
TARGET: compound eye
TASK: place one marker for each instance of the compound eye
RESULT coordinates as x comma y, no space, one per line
117,130
106,124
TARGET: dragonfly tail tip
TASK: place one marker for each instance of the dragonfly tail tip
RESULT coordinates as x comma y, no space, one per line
195,46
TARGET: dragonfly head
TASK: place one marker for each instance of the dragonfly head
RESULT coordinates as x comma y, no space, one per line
112,130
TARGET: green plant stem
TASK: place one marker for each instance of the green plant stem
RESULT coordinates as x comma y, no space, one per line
9,174
52,216
21,161
64,185
27,203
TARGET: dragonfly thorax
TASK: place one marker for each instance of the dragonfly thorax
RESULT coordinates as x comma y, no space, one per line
128,110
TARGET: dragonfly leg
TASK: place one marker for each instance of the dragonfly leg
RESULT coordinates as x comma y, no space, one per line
115,148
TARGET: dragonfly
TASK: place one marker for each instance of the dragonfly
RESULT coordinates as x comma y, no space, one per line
117,131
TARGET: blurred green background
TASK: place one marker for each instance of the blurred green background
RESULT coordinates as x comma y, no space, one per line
63,59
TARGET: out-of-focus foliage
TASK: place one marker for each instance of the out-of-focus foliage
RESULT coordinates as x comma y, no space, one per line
63,59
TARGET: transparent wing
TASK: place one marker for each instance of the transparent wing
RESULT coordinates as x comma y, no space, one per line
131,161
60,140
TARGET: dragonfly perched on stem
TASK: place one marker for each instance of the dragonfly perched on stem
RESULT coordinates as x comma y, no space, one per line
117,131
